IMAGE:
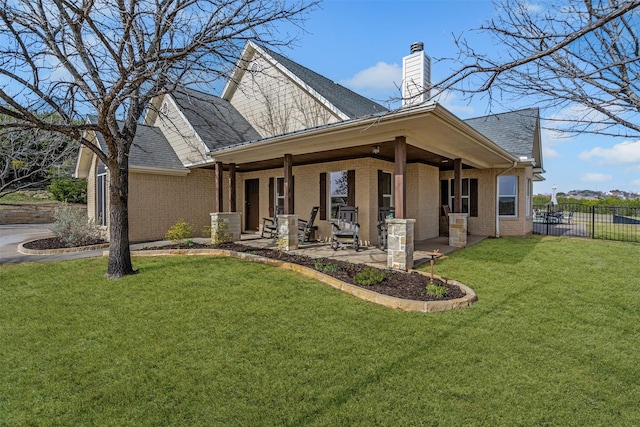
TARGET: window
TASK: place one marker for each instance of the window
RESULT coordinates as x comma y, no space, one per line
508,195
469,195
528,201
338,192
465,194
386,189
279,195
101,193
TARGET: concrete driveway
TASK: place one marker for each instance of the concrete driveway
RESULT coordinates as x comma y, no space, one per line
13,234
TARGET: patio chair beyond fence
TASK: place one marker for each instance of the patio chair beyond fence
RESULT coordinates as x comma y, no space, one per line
383,214
270,226
306,228
346,228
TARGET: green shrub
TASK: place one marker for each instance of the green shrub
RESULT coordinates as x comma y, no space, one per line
436,290
369,276
68,190
73,227
181,230
325,268
218,233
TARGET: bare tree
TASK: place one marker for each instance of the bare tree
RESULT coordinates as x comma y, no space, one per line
111,57
27,157
579,55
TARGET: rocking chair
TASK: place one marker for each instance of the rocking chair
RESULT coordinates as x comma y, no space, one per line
346,228
305,228
270,225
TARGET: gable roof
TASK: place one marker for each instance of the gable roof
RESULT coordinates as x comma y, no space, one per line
345,102
514,131
215,120
150,151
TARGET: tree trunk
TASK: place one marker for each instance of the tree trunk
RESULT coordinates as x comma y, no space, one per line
119,254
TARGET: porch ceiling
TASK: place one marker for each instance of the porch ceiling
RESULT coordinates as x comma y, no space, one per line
434,136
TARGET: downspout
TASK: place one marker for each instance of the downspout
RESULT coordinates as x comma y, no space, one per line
515,163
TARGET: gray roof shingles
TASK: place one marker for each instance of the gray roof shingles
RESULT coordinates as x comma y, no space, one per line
513,131
347,101
214,119
150,149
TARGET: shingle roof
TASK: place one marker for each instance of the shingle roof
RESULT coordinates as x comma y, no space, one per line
514,131
150,149
347,101
214,119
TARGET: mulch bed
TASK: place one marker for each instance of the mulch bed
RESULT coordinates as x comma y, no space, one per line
398,284
54,243
411,286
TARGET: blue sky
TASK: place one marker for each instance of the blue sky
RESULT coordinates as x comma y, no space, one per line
360,44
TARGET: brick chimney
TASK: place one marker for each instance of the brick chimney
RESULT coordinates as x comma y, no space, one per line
416,76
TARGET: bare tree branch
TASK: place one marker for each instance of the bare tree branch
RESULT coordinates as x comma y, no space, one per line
559,56
111,58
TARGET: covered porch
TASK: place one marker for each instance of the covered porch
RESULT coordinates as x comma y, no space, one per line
370,255
413,147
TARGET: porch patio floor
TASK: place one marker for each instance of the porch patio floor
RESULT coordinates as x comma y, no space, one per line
370,255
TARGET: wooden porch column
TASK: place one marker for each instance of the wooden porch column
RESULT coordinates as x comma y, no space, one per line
232,187
288,185
400,182
457,190
217,199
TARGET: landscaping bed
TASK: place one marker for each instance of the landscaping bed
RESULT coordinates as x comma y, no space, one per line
405,285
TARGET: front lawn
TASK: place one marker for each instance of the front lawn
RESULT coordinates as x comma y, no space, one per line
553,340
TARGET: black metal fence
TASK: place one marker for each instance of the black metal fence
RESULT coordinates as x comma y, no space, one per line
595,222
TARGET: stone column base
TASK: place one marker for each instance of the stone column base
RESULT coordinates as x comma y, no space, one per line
287,232
458,230
400,243
225,227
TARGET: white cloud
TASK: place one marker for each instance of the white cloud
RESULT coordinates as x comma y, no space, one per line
533,8
550,140
595,177
450,101
380,77
625,153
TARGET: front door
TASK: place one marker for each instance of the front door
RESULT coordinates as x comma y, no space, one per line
252,204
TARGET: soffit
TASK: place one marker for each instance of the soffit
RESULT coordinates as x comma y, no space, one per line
432,133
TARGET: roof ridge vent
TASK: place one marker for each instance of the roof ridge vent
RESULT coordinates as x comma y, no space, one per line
417,47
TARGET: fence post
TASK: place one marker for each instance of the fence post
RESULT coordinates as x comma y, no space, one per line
593,222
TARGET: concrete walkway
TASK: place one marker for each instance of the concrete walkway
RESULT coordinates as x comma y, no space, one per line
370,255
11,236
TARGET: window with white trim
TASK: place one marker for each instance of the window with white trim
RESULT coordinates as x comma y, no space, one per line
528,201
338,192
279,195
508,195
101,195
465,195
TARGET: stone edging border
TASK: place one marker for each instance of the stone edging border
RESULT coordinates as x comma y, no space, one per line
365,294
27,251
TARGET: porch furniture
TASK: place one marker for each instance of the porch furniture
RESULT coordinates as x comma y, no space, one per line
270,225
306,228
567,217
383,214
346,228
446,210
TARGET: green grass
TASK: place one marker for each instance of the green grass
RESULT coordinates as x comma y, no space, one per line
553,340
22,197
